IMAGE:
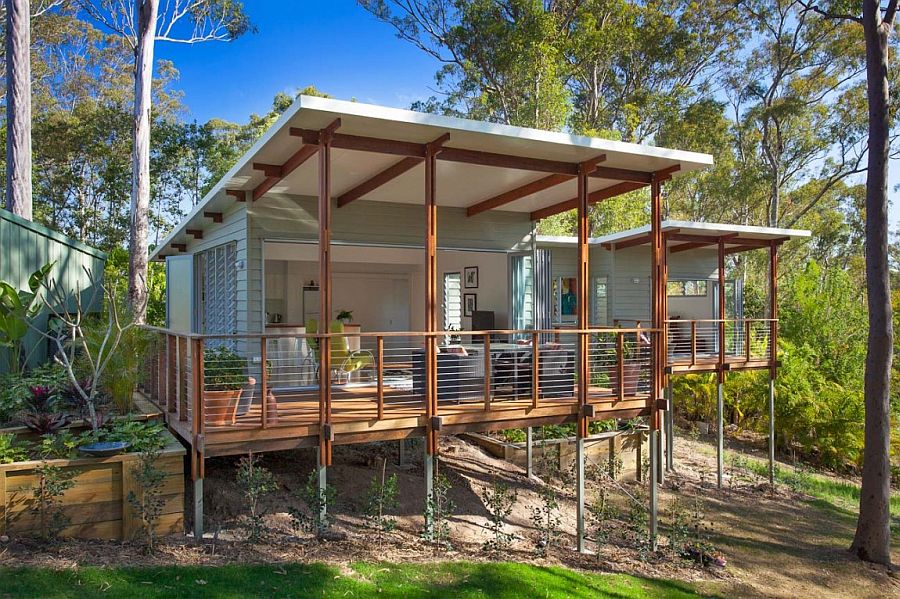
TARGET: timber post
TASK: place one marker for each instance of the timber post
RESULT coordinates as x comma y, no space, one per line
773,352
720,372
584,373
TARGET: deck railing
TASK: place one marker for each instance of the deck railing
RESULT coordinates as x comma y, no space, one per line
697,341
238,382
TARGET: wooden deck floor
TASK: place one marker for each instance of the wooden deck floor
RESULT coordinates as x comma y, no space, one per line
355,418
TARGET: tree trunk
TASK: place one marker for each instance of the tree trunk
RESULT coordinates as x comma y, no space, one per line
140,185
873,535
18,108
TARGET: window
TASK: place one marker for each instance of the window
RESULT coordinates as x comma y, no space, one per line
692,288
598,309
218,289
452,301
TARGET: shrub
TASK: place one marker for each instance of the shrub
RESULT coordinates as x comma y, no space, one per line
142,436
316,519
256,482
499,500
381,497
11,450
547,520
601,513
438,510
223,369
148,503
46,498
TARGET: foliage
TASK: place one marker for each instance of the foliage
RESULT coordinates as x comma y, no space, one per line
439,509
62,445
547,520
126,364
17,308
142,436
14,388
223,369
499,500
46,498
11,450
255,482
316,517
601,512
147,503
381,497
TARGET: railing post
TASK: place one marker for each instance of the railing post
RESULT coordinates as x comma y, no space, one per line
263,382
379,373
620,365
487,372
180,395
747,338
535,377
693,342
198,425
171,372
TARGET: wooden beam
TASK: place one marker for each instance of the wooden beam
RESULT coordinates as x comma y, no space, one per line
195,233
215,216
376,181
275,175
693,245
742,248
622,174
363,144
269,170
507,161
621,245
698,243
524,190
517,193
181,247
593,198
238,194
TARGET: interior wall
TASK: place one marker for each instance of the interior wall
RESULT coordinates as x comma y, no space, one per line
371,281
492,292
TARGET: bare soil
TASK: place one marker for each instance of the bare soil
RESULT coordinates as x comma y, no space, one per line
776,544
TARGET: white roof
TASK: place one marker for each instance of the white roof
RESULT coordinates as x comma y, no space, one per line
735,233
458,183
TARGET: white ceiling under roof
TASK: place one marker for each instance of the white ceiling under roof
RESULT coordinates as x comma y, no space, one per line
458,184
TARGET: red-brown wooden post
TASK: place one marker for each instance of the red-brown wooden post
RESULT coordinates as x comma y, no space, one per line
535,370
180,393
693,342
773,352
326,137
172,371
747,338
720,372
620,365
263,383
487,372
379,374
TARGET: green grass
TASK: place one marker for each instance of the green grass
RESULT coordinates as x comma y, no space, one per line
452,579
826,491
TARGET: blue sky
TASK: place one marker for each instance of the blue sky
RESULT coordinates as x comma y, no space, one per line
332,44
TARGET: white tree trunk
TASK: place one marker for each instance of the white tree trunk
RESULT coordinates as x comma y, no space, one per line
18,108
140,188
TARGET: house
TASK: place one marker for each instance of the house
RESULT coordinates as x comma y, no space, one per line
463,318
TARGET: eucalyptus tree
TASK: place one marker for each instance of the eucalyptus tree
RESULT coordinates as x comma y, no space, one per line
872,541
18,102
141,25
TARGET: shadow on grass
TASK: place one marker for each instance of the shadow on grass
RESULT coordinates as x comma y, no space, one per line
454,579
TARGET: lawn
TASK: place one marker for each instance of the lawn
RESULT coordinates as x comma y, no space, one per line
453,579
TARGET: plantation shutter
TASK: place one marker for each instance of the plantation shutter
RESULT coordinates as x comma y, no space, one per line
219,289
452,301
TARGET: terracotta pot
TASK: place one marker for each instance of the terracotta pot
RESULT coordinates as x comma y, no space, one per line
631,372
220,407
271,408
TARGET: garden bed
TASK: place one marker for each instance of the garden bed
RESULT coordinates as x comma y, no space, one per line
97,505
617,451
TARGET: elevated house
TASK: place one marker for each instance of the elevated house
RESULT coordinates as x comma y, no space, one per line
463,318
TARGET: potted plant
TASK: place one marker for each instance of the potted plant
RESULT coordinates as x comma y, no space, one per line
224,378
345,316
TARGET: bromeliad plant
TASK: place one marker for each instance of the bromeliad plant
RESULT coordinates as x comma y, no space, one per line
17,308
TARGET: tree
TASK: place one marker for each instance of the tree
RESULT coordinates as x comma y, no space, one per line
18,104
202,20
872,541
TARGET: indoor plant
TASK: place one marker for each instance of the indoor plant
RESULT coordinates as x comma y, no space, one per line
224,377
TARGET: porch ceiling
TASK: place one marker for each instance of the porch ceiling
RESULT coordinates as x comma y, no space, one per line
530,170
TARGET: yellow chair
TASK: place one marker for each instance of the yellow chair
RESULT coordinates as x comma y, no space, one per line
343,361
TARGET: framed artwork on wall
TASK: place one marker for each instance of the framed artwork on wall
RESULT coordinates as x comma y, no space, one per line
470,303
471,277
